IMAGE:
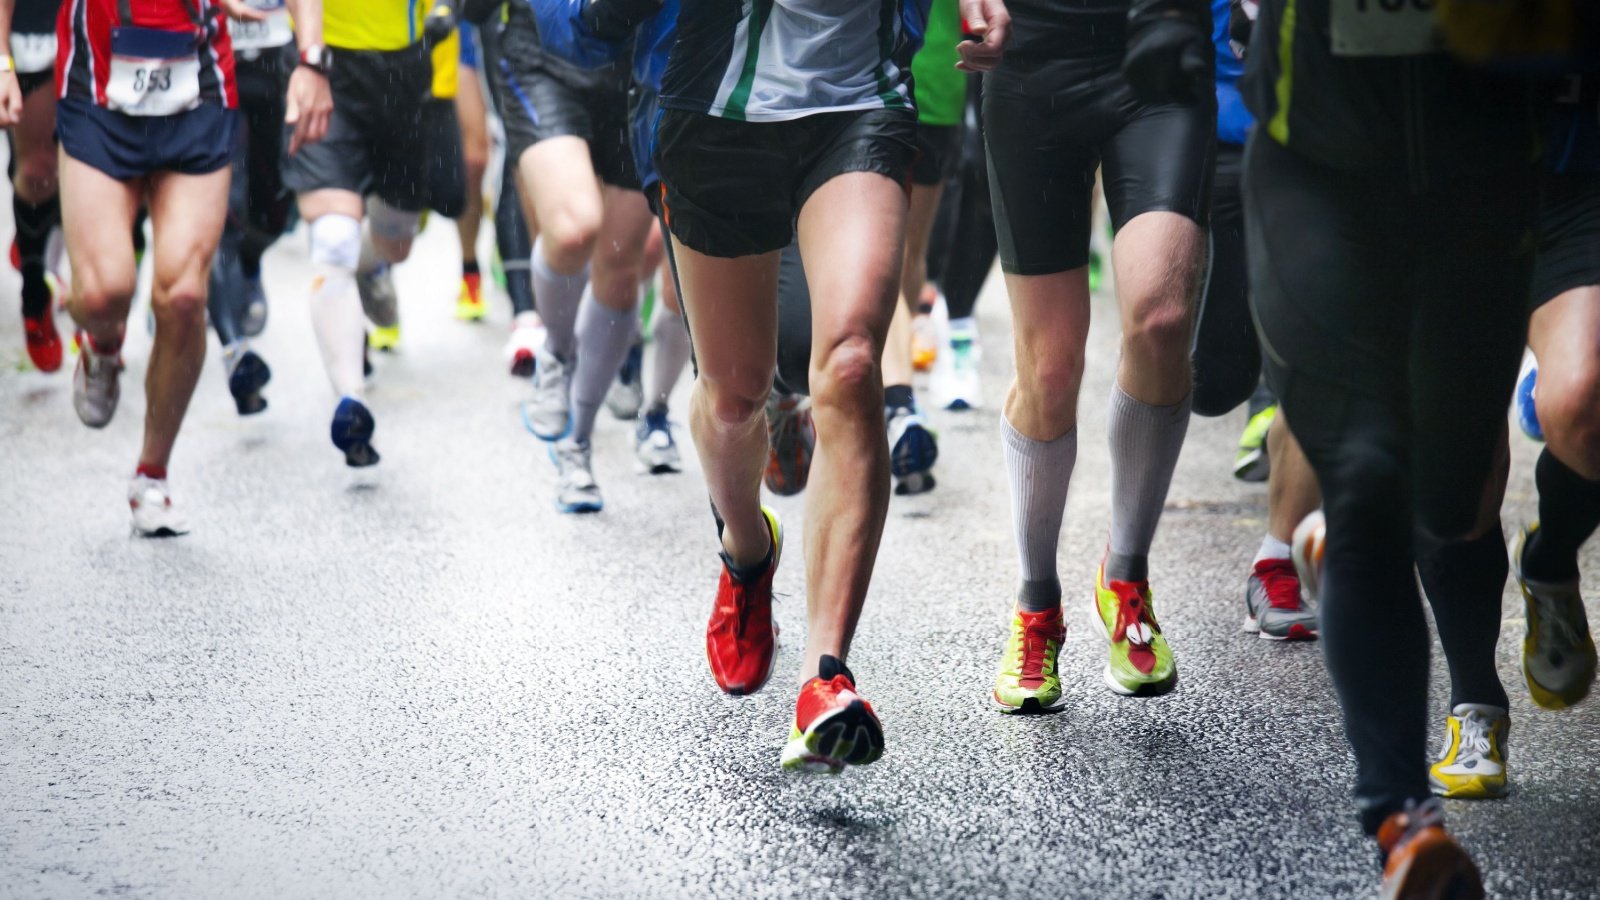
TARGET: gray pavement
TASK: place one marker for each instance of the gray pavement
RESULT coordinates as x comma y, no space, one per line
421,681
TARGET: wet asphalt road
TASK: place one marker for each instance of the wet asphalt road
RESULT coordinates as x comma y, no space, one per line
421,681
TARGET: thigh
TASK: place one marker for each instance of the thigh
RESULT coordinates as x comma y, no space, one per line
97,213
730,305
852,236
186,217
472,114
1161,158
561,183
1042,158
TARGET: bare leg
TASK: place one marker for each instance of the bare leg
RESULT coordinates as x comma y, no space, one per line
1292,492
97,213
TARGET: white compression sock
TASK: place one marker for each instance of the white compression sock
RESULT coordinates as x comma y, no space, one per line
335,306
1040,472
1145,443
669,355
557,297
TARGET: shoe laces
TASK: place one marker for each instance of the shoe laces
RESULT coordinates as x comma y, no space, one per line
1281,582
1419,816
1035,646
1476,735
1135,624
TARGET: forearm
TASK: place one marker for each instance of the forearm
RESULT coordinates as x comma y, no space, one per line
307,21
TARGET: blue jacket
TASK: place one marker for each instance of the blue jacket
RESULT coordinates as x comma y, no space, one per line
1233,119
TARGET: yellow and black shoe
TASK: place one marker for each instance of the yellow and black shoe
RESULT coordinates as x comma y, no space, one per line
1473,763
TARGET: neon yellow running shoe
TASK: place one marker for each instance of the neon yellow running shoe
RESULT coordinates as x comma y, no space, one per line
1472,765
384,339
1027,680
469,304
1141,663
1252,463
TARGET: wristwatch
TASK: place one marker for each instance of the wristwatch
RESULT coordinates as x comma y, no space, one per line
316,57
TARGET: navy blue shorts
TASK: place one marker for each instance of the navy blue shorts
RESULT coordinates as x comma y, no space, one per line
196,142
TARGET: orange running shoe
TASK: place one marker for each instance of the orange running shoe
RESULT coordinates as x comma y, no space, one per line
834,726
1422,860
742,638
469,303
44,342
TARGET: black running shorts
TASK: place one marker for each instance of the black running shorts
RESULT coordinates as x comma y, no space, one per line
541,99
1569,235
447,167
377,142
733,188
938,151
1049,124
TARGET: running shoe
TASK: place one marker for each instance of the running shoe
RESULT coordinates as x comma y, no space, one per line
1097,268
1421,860
1558,656
254,320
654,446
352,430
625,397
247,375
924,342
44,341
791,438
1027,681
378,298
527,334
956,384
95,383
913,449
742,637
1310,536
548,413
153,512
577,491
1273,607
383,338
1252,463
1527,412
469,303
1472,765
833,726
1140,663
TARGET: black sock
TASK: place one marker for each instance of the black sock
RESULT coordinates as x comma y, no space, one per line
469,267
34,222
250,253
1569,512
1464,581
899,396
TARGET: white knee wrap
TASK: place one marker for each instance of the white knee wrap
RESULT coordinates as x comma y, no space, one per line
336,241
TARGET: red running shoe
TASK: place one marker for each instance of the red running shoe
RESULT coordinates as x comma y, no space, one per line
834,726
742,638
1421,860
44,342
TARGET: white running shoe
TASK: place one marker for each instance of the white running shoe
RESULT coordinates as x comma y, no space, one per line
96,385
654,446
578,492
153,512
548,413
956,384
527,335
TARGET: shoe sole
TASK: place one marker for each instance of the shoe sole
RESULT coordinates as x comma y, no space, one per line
356,441
160,531
527,422
1030,706
959,405
583,506
1479,791
1143,689
245,384
1297,632
915,483
1254,467
915,452
650,467
849,736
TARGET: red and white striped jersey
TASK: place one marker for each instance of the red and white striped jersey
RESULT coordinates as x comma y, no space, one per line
84,55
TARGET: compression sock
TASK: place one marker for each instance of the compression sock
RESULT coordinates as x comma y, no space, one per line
1569,512
1145,443
519,286
34,221
669,355
1464,581
604,338
340,325
1040,472
558,297
469,267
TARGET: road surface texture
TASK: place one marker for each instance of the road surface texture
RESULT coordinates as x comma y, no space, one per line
422,681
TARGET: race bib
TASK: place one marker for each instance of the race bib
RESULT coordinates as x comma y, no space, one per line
276,31
32,53
153,72
1383,27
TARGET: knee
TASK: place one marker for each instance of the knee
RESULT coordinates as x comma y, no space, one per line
1366,492
1049,381
36,178
1159,327
568,237
392,230
179,303
848,373
336,241
736,400
1569,412
99,294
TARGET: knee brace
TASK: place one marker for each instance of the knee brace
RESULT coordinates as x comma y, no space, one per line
336,242
390,224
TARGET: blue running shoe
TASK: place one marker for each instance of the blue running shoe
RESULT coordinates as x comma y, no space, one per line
247,375
352,433
912,451
654,446
1527,414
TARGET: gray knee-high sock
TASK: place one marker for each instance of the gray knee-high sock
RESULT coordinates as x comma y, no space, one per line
557,297
669,353
1040,472
604,337
1145,443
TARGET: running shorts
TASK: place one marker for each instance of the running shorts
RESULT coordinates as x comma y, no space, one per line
447,169
732,188
938,152
1569,235
541,100
1049,124
33,53
194,142
376,141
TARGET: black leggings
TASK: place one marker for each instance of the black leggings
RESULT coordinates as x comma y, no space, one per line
1392,322
962,246
511,238
1226,354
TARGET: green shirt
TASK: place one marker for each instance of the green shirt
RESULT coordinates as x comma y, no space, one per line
941,88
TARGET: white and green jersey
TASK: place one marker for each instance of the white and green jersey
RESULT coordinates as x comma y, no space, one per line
774,60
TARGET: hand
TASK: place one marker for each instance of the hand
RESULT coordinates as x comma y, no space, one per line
440,22
310,107
244,12
990,25
1168,59
10,100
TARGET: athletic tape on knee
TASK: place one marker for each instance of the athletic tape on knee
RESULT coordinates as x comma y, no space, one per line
336,241
390,224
